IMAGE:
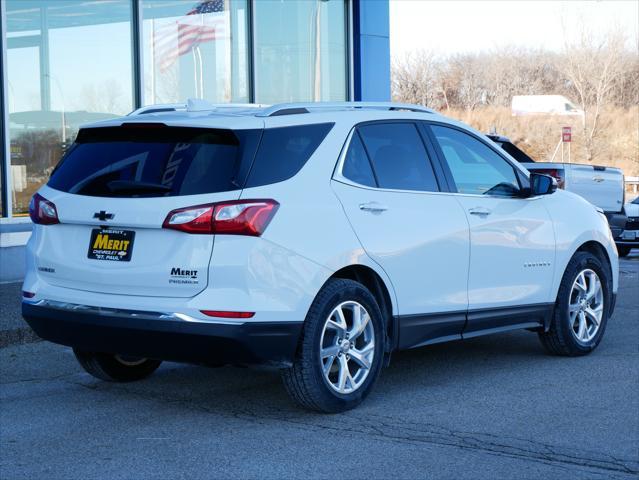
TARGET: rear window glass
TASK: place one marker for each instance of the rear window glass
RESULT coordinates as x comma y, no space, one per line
515,152
356,165
284,151
152,160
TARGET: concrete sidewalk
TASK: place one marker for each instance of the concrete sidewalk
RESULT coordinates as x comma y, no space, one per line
13,329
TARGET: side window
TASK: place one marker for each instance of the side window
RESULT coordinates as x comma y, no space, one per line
475,167
356,164
284,151
398,156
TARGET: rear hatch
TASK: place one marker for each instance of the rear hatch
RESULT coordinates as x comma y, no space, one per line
601,186
114,189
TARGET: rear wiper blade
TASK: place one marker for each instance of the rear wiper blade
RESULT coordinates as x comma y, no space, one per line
131,186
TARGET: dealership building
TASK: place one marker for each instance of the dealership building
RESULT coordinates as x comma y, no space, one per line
70,62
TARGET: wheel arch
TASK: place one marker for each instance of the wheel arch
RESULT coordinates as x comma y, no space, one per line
598,250
374,282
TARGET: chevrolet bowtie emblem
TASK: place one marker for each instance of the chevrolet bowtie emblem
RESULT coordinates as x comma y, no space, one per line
102,215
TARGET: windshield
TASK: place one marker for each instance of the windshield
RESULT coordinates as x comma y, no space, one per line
153,160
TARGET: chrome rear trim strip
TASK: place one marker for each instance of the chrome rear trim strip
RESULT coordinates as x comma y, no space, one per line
124,313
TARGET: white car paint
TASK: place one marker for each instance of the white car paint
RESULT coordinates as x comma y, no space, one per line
632,208
432,255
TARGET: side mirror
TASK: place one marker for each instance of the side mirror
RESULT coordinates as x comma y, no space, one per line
541,184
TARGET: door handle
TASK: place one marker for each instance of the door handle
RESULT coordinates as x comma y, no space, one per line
481,211
373,207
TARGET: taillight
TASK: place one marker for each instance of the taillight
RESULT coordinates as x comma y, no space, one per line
556,173
42,211
238,217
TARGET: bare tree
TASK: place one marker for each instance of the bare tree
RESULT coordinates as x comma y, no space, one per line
414,78
106,97
471,87
593,68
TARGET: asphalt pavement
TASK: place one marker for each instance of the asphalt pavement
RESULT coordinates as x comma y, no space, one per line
491,407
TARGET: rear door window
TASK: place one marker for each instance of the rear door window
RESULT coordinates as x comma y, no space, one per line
284,151
398,156
155,160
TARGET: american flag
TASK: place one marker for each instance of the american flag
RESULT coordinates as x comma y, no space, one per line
206,22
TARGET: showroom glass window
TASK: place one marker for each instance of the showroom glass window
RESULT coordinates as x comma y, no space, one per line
68,63
195,50
300,51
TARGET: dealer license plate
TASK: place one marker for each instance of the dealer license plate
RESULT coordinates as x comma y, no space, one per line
111,244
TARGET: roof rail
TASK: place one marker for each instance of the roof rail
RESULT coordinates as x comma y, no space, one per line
294,108
192,105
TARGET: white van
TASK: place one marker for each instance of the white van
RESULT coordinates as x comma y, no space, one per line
543,105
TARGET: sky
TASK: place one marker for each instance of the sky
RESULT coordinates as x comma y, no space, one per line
456,26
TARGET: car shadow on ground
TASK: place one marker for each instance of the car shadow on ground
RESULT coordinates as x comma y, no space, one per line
225,389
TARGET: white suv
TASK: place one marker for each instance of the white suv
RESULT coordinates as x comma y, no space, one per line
316,238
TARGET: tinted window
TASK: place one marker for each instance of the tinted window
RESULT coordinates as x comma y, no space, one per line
515,152
152,160
284,151
475,167
356,165
398,156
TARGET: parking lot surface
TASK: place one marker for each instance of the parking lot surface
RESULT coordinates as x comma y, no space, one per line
491,407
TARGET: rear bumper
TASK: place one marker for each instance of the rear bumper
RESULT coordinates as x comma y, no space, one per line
140,334
627,243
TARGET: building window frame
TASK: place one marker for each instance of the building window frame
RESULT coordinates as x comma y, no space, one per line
137,54
6,211
5,166
350,55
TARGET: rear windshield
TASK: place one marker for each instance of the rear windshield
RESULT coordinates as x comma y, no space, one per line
515,152
152,160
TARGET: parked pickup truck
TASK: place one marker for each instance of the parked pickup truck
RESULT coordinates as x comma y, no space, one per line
630,236
601,186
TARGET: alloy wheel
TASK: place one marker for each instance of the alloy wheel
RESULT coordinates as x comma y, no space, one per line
347,347
586,305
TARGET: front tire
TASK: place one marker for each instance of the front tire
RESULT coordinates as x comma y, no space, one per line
341,350
582,307
115,368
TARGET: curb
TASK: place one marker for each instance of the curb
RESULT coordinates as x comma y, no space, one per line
18,336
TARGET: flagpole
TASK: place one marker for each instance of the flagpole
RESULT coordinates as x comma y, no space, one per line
199,57
228,84
318,53
152,42
195,82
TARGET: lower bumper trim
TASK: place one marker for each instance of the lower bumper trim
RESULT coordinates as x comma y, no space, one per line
271,343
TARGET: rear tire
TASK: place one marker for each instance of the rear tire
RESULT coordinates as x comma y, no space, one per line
575,328
115,368
339,357
623,250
